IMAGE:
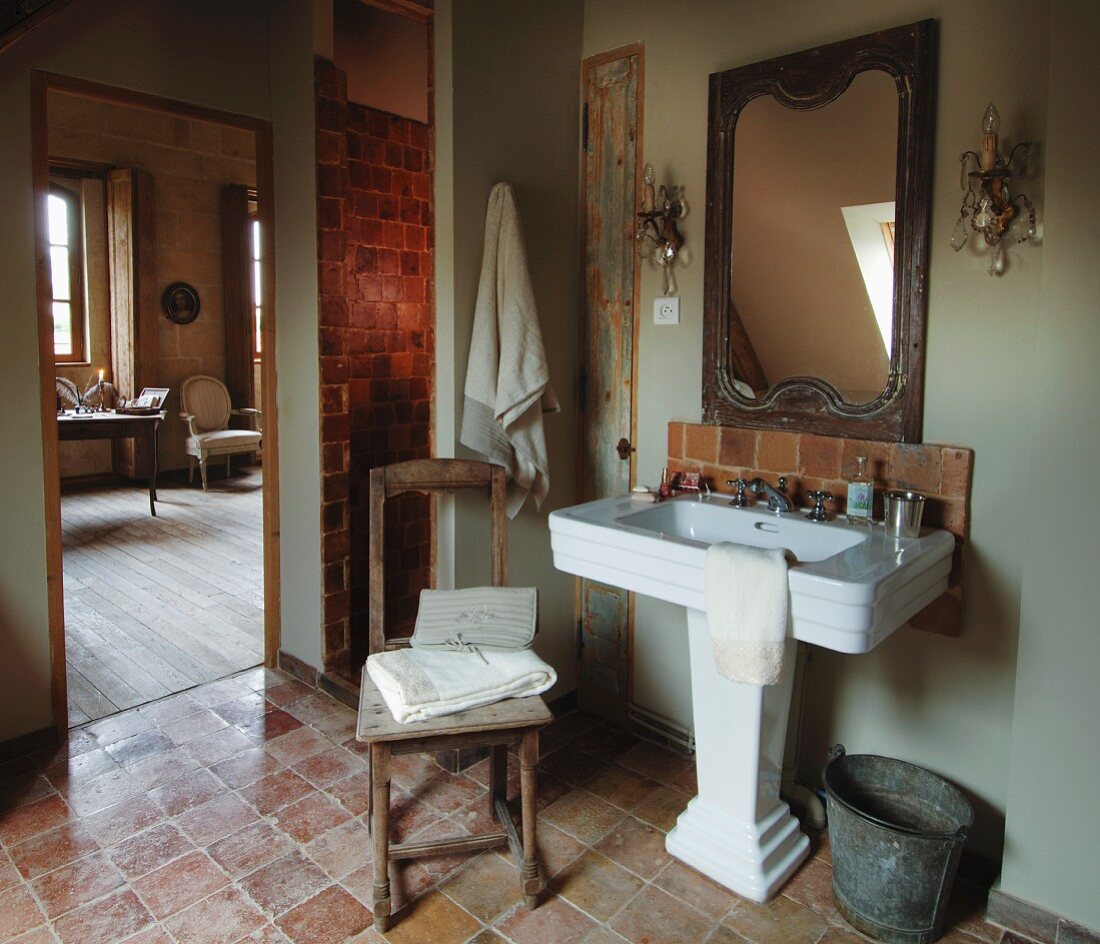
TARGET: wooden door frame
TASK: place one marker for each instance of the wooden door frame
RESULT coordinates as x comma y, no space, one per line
610,55
41,84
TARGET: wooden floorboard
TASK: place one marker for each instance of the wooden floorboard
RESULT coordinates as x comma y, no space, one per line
158,605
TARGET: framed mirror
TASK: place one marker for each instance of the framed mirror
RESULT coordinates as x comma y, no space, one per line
818,208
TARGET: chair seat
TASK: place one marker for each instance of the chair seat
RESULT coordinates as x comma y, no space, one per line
224,440
376,723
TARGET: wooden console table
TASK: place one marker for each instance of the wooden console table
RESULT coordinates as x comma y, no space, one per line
72,426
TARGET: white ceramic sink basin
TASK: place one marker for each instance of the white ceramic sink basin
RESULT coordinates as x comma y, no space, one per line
850,586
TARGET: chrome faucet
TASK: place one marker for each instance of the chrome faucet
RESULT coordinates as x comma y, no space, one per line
778,499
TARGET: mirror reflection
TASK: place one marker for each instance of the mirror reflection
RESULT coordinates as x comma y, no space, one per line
812,269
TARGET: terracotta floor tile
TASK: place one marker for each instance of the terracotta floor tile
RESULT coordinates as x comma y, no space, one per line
110,919
582,815
211,748
173,887
620,787
261,678
570,726
434,918
439,867
42,935
352,792
141,854
662,808
285,883
244,709
342,850
812,886
153,935
780,921
486,887
313,708
409,816
223,918
117,728
636,846
18,912
77,884
186,792
21,789
655,916
118,822
249,848
217,693
571,765
723,935
410,770
52,850
449,792
329,767
217,818
169,709
159,769
272,724
287,692
314,816
64,770
605,740
275,791
107,789
268,934
556,849
337,727
596,885
655,762
555,921
203,721
297,745
840,936
330,917
22,823
246,767
9,874
488,936
692,888
139,747
688,782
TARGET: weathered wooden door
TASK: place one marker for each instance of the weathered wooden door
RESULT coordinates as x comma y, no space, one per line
612,92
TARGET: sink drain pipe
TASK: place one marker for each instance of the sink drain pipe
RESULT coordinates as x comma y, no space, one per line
793,792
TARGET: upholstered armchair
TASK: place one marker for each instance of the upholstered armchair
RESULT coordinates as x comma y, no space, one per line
207,409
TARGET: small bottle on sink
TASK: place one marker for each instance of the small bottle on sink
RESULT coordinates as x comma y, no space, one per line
861,494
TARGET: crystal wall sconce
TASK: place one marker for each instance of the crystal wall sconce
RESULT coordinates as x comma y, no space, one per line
657,236
989,207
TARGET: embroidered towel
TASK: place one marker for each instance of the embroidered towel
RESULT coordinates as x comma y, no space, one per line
746,595
476,618
418,684
507,377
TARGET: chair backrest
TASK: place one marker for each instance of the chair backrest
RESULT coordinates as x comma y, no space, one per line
207,399
431,477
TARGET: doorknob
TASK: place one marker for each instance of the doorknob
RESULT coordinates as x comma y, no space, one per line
623,448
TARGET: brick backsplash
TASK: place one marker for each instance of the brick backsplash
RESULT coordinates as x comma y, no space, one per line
941,473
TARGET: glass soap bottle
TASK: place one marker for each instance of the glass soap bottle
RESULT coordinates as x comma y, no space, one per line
861,493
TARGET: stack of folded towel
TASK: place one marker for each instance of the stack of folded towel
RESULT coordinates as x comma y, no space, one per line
470,648
418,684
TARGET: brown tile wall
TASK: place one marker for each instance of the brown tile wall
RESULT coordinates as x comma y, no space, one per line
374,186
941,473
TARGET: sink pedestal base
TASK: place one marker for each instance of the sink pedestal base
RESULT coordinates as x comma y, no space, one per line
737,830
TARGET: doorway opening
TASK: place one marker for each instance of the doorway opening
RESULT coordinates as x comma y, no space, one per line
156,320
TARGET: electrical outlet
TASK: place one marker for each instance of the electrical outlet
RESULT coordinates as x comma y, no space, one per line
666,310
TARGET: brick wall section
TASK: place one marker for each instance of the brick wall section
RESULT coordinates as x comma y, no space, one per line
374,186
941,473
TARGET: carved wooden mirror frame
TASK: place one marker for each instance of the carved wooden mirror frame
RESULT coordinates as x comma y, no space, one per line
807,80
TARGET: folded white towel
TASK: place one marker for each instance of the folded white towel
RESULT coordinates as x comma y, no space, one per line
507,377
417,684
747,593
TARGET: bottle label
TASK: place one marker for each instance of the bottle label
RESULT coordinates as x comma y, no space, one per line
859,499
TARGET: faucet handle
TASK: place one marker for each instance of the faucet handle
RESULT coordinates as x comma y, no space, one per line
819,497
739,500
782,483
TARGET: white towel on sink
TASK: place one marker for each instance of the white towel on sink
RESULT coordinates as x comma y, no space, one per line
747,596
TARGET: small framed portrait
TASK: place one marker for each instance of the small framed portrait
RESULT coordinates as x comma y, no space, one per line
181,303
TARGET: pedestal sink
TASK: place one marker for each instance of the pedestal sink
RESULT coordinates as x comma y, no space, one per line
850,587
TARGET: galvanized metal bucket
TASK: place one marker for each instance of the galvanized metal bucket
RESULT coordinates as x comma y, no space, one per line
896,832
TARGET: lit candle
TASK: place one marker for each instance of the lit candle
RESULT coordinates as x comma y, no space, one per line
991,124
647,189
101,375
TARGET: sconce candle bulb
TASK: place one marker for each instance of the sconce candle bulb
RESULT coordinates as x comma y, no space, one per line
988,206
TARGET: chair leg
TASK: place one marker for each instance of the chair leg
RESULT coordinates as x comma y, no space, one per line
228,461
528,786
498,776
202,471
380,833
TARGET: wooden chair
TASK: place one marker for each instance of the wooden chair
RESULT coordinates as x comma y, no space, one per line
207,408
514,721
